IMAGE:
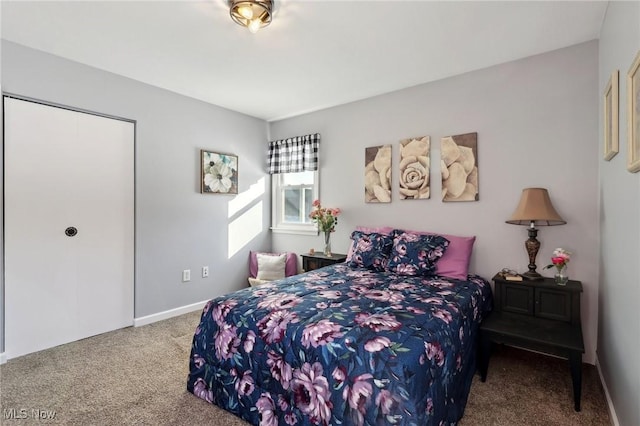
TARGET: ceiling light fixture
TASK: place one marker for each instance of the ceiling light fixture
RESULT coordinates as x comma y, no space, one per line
253,14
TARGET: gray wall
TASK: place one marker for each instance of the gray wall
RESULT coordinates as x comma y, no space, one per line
619,316
2,310
536,120
176,227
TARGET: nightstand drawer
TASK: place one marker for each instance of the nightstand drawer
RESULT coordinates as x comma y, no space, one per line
319,260
310,264
542,298
517,298
553,304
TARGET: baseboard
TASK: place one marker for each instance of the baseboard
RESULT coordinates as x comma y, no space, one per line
149,319
138,322
612,411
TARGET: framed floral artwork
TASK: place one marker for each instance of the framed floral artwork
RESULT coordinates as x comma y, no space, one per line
459,167
633,115
610,122
219,173
414,168
377,174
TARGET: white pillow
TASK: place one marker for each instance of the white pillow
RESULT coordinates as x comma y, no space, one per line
254,282
271,267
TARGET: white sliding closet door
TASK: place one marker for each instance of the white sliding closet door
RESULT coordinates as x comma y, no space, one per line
66,169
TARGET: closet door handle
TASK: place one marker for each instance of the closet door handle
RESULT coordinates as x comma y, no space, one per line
71,231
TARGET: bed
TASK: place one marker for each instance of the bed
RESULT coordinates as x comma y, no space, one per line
342,345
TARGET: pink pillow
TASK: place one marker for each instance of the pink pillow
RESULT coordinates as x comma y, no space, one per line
290,267
455,261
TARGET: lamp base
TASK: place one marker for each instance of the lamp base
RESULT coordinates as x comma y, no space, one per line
532,245
532,276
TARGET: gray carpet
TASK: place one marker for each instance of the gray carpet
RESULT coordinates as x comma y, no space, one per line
138,376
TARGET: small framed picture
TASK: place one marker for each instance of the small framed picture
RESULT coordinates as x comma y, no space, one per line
633,115
611,121
218,173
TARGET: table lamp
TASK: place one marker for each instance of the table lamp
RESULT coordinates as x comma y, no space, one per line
534,208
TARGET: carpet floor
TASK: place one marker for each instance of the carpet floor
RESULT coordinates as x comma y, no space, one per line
138,376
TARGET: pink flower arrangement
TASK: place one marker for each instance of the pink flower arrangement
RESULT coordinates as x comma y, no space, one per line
326,218
559,259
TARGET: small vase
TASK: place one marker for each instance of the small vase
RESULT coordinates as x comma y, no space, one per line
327,243
561,276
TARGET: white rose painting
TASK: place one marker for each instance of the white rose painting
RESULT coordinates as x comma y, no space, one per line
414,168
459,167
377,174
219,173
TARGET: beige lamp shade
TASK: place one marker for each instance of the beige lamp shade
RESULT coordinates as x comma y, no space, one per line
535,206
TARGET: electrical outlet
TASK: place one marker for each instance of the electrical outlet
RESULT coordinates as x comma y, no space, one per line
186,275
205,271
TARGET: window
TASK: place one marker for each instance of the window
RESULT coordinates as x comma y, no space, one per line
293,166
291,199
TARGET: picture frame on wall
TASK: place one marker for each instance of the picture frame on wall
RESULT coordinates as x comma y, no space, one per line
377,174
218,173
633,115
459,167
415,166
611,121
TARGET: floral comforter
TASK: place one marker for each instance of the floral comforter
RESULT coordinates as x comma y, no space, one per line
341,346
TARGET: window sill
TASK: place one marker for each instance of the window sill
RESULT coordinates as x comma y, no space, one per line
295,231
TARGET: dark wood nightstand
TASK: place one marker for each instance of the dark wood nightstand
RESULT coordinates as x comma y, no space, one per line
319,260
537,315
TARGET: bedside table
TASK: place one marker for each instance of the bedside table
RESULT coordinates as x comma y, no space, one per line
537,315
319,260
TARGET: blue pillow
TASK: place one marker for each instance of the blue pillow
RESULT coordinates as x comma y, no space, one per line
370,251
414,254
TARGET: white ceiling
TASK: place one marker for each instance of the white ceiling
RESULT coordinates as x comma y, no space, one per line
315,54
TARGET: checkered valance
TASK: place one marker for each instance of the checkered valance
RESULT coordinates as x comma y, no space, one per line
293,155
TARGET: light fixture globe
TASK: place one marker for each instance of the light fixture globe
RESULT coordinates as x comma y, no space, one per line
253,14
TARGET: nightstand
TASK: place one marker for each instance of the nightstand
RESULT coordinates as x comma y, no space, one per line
319,260
536,315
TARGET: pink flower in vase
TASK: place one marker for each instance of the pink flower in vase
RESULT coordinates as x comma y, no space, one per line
559,259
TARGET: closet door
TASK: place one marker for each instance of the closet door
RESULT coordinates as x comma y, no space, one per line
69,225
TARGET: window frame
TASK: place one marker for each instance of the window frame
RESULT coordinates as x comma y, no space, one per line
278,225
